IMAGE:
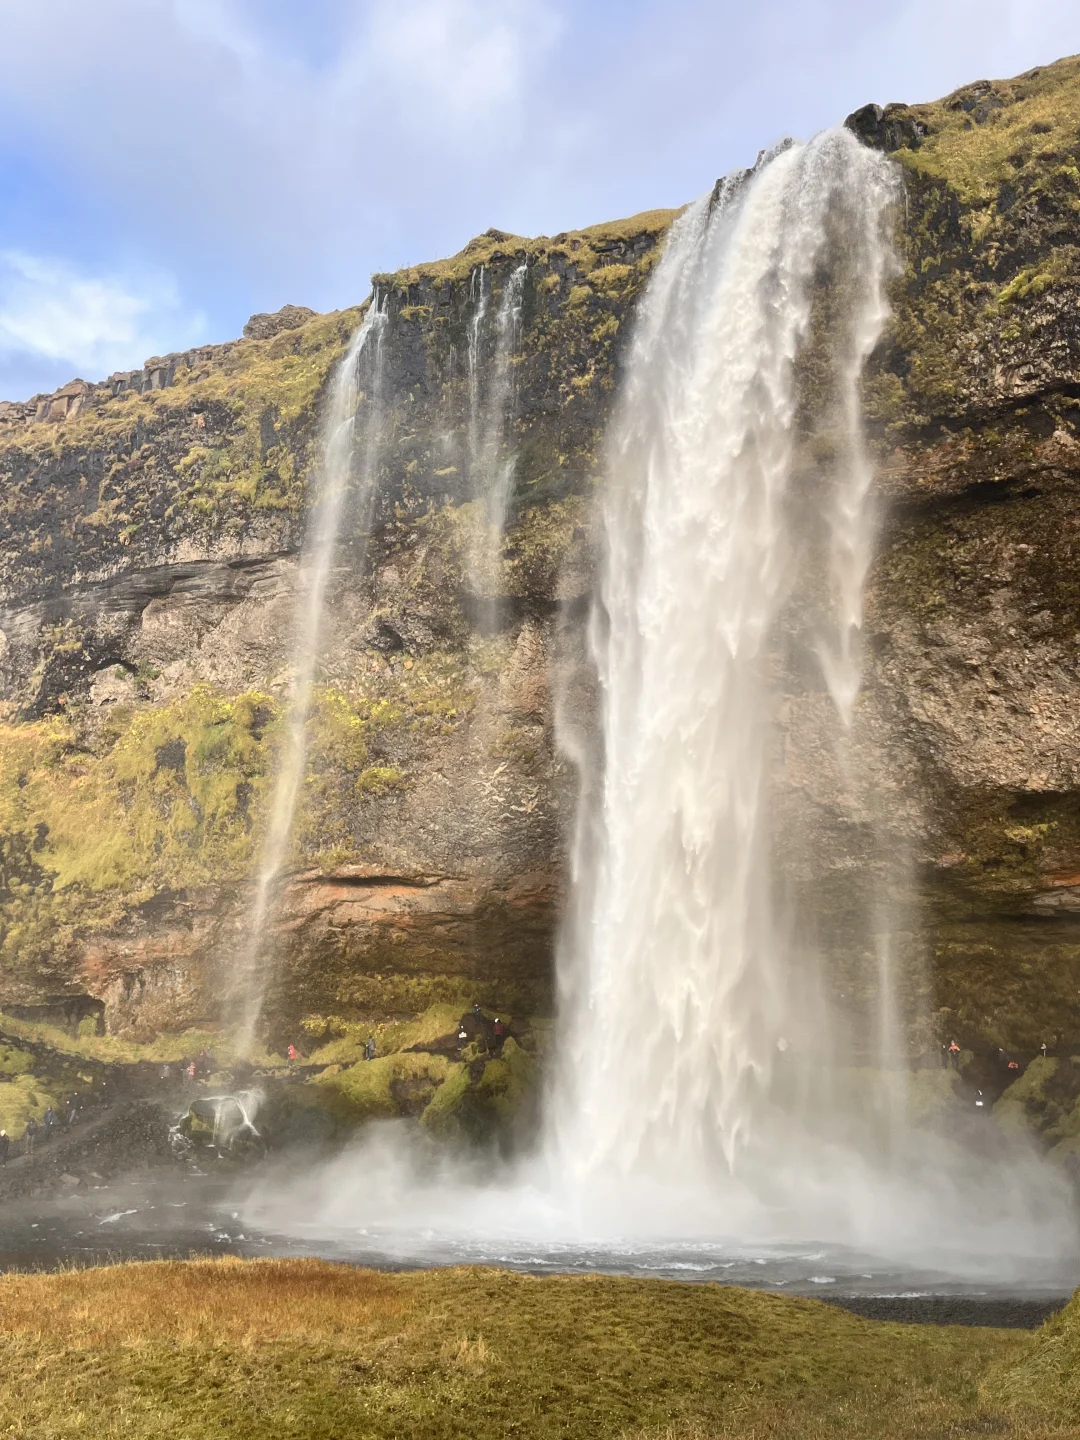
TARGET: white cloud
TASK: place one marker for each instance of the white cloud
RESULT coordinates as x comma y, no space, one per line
467,58
95,324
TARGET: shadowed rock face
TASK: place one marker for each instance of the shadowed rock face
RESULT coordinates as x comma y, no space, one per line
148,570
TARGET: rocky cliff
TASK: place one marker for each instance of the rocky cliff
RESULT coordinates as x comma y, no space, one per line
151,528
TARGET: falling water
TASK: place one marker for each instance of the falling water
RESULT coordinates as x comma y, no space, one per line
335,485
491,402
690,997
479,296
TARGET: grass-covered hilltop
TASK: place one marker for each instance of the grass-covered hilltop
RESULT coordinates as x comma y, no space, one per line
299,1350
149,540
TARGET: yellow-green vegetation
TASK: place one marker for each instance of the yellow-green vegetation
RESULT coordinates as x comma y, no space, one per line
1044,1383
385,1087
587,248
26,1089
173,796
474,1093
436,1022
255,392
166,802
302,1350
987,133
988,234
1045,1098
114,1050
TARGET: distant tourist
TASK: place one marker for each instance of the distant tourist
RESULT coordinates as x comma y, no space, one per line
5,1146
73,1108
1013,1065
369,1048
944,1055
48,1121
979,1102
166,1072
1042,1050
191,1070
202,1063
292,1055
954,1055
499,1031
477,1011
462,1036
30,1135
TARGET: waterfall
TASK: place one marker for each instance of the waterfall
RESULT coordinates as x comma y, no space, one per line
491,471
334,488
705,1103
688,1021
479,296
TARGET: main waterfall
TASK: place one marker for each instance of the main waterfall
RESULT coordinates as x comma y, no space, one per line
683,991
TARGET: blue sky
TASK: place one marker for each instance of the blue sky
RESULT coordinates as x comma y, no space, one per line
167,167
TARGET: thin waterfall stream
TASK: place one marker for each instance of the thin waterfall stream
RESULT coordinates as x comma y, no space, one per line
703,1099
336,483
491,406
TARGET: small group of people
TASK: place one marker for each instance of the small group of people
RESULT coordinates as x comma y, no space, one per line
952,1053
43,1130
498,1031
199,1068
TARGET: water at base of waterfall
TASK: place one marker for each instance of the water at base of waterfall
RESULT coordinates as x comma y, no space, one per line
174,1212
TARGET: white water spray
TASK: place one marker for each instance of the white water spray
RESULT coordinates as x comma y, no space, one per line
335,486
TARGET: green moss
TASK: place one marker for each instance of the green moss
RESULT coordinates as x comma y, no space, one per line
378,779
988,241
508,1083
112,1050
443,1112
436,1022
168,804
385,1087
1045,1100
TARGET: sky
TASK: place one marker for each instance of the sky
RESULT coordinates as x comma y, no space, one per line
169,167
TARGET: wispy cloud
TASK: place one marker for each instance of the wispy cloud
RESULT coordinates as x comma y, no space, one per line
93,324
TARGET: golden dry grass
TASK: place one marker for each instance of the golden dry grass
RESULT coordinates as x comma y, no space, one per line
190,1351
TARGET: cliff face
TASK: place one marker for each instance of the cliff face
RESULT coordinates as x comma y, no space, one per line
148,574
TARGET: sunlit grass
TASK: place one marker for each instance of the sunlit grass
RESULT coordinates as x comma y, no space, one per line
303,1348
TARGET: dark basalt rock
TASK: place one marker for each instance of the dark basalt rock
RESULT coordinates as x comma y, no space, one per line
888,129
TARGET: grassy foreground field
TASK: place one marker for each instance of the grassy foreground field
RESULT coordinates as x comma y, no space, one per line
287,1349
